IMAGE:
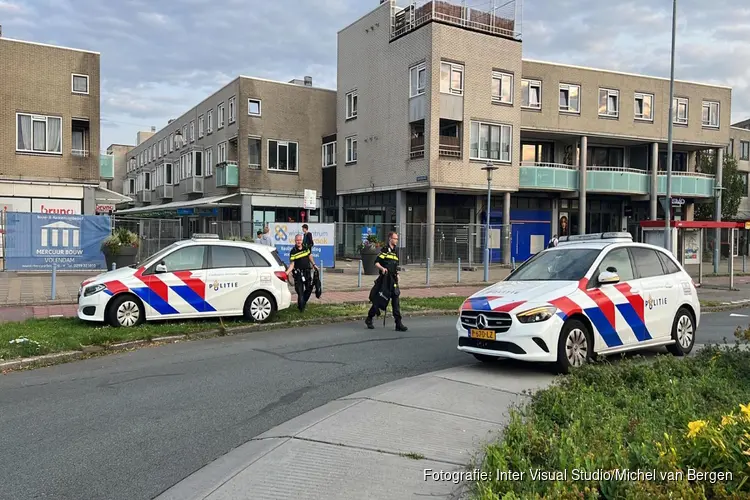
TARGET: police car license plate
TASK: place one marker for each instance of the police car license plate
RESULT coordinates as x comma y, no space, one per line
482,334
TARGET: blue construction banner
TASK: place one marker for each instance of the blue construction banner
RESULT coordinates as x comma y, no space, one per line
35,241
324,249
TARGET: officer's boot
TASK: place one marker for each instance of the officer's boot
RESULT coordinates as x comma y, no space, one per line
368,322
400,327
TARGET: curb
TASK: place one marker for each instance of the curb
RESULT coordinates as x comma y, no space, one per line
67,356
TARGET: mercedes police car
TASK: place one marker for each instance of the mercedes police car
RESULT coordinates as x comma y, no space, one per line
196,278
592,294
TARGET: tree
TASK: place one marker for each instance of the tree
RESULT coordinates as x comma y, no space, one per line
731,195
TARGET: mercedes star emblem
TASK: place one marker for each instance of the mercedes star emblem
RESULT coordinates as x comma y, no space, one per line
482,321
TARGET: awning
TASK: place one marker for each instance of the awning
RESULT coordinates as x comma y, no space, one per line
208,201
104,195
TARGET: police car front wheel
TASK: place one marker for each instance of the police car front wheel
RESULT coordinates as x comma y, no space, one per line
126,311
574,348
260,307
683,333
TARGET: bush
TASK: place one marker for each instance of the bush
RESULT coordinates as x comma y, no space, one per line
372,241
120,237
666,416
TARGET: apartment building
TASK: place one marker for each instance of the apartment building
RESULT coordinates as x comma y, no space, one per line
49,129
739,148
432,92
245,155
119,159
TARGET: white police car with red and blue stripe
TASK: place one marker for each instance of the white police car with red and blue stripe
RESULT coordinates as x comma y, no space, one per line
594,294
198,278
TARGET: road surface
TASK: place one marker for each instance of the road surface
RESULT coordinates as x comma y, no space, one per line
129,426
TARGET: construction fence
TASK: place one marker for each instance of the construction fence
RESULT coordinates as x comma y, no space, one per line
155,234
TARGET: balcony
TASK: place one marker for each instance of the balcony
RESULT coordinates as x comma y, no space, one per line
164,192
548,176
227,174
449,146
106,166
417,148
194,185
498,21
617,180
688,184
144,196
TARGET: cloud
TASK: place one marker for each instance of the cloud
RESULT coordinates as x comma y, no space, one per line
161,58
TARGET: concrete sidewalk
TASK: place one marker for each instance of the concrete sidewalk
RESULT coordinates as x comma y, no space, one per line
377,443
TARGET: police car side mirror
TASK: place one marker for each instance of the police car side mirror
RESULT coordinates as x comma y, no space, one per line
608,278
161,268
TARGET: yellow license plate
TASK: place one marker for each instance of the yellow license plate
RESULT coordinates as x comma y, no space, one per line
483,334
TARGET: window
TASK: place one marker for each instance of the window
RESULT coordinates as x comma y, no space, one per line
451,78
224,256
253,152
185,259
490,142
558,265
192,131
201,126
256,260
232,109
160,151
210,121
329,154
282,155
644,106
171,142
609,102
351,149
147,181
253,107
80,84
668,263
618,261
570,98
168,174
221,153
417,79
744,178
531,94
208,159
38,134
744,150
131,183
730,148
502,87
184,137
680,106
351,105
220,116
647,262
710,114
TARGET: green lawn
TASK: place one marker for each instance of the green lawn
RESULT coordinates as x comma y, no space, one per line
70,334
668,414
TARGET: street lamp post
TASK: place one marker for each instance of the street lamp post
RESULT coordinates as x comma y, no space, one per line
489,168
668,204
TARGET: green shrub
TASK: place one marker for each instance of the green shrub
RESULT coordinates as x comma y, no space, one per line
664,415
120,237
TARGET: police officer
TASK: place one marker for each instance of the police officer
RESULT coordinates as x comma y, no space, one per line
300,263
387,264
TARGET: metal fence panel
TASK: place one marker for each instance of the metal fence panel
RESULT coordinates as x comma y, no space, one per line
155,234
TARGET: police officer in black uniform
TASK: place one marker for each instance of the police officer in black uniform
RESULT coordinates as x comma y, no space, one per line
387,263
300,263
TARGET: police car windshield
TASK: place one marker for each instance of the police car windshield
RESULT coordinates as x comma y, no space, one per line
561,264
160,254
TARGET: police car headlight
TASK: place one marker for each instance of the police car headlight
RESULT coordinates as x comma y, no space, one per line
91,290
536,315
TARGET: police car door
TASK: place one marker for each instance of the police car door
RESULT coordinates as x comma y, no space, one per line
177,283
231,278
620,302
655,291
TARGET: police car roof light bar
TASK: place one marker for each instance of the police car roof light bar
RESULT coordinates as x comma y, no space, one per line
597,236
205,236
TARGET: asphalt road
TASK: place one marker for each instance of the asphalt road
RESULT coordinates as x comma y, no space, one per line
130,426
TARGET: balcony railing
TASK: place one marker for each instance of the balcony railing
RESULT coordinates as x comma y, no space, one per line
552,176
81,153
449,146
417,148
165,192
500,20
227,174
144,196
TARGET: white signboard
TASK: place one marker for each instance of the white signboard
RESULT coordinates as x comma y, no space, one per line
104,208
691,246
57,207
311,199
15,204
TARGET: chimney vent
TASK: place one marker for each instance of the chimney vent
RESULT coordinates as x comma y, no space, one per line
170,121
1,30
308,81
153,129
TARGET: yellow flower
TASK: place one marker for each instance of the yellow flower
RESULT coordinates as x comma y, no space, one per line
745,410
694,428
728,420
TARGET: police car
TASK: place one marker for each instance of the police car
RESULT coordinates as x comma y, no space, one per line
198,278
594,294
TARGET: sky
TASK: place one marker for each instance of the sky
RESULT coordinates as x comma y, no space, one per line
161,57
